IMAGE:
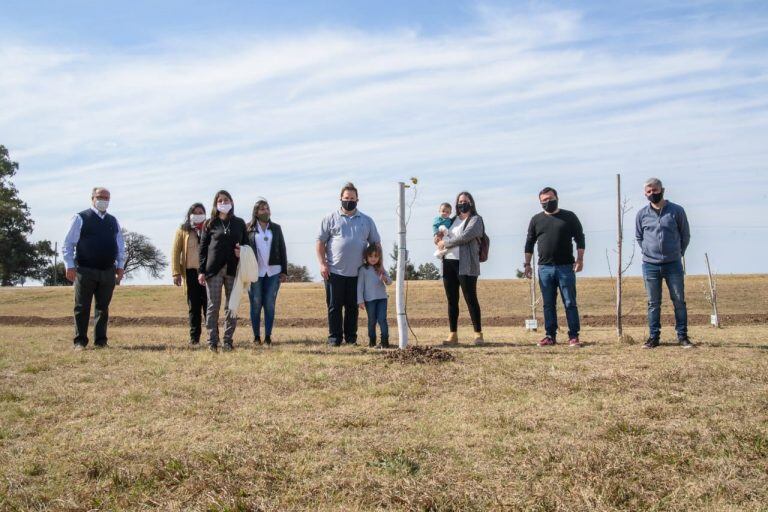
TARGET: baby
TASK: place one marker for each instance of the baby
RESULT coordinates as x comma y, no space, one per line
442,224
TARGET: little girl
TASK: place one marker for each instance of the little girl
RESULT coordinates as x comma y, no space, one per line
372,281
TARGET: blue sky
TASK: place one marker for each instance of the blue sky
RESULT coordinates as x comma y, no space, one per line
166,102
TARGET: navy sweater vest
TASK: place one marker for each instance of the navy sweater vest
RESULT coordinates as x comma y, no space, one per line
97,247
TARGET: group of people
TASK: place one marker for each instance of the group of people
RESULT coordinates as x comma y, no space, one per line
207,248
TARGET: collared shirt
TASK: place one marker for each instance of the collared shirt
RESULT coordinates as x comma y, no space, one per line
663,235
345,238
263,247
73,236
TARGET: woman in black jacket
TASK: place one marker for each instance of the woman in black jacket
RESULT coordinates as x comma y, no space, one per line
266,239
223,233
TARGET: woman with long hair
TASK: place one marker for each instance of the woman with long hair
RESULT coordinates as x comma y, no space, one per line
223,234
461,265
185,263
266,239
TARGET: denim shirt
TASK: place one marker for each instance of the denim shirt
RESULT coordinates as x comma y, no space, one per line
663,237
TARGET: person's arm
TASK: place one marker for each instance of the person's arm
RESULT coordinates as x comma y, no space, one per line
205,241
473,230
530,242
283,256
639,228
361,286
321,259
70,246
385,277
320,248
580,239
685,230
373,235
176,251
120,262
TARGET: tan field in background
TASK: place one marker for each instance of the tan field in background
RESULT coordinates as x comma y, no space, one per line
150,424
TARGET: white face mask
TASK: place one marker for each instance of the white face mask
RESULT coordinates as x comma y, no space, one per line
197,218
224,207
101,205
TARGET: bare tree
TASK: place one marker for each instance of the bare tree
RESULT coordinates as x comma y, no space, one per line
140,253
622,208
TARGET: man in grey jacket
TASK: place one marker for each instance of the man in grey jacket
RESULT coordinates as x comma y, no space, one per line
662,231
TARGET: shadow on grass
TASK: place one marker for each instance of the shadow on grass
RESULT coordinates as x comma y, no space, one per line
152,348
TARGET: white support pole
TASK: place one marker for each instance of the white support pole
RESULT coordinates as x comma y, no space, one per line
402,256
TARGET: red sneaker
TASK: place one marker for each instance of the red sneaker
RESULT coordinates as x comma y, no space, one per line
547,342
574,342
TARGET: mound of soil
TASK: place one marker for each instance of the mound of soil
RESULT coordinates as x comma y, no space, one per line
420,355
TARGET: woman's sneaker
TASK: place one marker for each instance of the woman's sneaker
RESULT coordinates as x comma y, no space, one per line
574,342
546,341
685,342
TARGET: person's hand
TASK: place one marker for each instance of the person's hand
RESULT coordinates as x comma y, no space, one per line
237,250
528,271
201,279
324,271
177,280
578,266
119,273
439,236
383,278
441,244
71,274
283,278
361,305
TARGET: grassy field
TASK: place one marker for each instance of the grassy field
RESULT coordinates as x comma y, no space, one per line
152,425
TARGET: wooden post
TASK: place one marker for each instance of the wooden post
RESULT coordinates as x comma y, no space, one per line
712,294
619,240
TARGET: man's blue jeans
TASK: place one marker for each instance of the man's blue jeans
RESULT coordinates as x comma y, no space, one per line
377,314
673,274
552,278
263,295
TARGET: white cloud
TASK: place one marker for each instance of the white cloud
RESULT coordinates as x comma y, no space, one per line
500,108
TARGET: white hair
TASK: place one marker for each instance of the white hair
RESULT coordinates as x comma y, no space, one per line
653,182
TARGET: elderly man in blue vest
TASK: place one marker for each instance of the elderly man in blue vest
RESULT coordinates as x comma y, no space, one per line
94,254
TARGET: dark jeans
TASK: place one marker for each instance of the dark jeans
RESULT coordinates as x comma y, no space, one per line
341,292
377,314
673,274
552,278
452,281
92,283
197,302
263,295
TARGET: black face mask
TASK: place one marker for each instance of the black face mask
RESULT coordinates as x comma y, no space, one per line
463,207
350,206
549,206
656,198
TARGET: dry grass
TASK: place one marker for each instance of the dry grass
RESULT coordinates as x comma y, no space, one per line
426,299
150,424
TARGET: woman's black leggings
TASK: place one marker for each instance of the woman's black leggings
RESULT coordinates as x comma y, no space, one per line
452,281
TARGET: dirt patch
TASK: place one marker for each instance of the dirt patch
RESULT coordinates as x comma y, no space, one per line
420,355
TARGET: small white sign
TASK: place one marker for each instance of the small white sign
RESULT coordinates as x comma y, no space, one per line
713,319
531,324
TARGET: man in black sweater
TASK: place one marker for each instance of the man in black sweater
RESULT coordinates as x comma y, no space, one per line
555,230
